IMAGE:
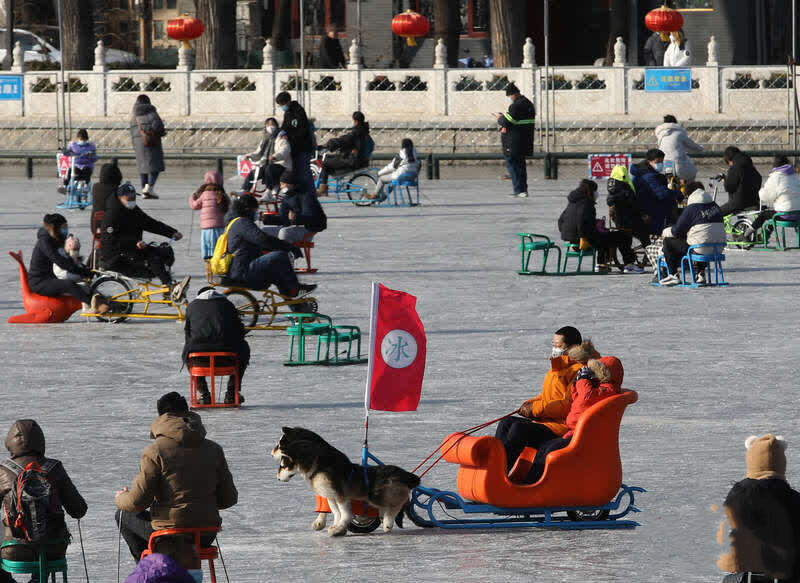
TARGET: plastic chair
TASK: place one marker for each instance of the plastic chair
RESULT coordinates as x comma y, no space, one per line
715,258
533,242
339,335
588,472
306,244
212,370
572,250
782,222
396,186
44,567
209,553
41,309
304,326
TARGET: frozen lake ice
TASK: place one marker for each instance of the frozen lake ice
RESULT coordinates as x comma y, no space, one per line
711,367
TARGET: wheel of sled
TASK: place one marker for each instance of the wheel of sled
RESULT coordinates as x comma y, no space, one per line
113,288
364,523
743,234
246,305
359,186
593,515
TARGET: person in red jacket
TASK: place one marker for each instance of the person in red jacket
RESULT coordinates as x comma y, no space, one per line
597,380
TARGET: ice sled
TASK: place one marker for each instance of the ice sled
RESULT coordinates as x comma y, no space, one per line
581,487
41,309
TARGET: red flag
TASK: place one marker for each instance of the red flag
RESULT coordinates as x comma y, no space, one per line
396,353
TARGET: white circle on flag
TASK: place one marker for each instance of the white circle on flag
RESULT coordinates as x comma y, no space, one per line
398,349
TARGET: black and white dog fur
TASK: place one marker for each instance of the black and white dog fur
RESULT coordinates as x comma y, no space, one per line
332,475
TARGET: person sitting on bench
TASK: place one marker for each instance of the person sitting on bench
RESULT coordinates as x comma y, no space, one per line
781,190
352,148
742,182
300,213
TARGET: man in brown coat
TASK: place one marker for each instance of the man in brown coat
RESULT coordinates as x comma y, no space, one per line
25,442
183,478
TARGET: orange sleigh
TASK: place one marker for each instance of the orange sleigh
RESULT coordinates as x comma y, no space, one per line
41,309
581,480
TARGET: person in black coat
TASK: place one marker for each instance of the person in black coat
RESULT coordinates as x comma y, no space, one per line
300,213
301,137
122,248
623,207
331,55
104,190
352,151
516,129
654,49
41,279
260,260
578,225
214,325
742,182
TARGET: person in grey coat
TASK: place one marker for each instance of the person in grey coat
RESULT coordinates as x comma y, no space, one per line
147,129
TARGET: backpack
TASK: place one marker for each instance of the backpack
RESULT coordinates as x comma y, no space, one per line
220,261
34,501
369,147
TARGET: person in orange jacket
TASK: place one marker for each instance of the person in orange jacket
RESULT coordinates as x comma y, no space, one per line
543,417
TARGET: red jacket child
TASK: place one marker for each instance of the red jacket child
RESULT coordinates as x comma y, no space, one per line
596,381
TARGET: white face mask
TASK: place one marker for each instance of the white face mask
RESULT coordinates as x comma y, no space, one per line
271,130
131,204
556,352
197,575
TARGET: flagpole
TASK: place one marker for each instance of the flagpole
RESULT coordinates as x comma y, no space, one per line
373,322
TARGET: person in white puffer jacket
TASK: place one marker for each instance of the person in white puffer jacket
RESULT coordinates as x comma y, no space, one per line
781,191
678,53
675,143
406,164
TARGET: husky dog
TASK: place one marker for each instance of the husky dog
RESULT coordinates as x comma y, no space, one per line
332,475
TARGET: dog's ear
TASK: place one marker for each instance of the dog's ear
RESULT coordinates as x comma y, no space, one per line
286,461
286,430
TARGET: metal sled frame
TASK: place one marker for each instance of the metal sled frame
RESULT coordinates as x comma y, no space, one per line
424,499
135,292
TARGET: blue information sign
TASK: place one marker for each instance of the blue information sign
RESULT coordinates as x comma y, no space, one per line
10,87
667,80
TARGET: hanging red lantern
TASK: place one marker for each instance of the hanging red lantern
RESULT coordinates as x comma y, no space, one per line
184,29
409,25
664,20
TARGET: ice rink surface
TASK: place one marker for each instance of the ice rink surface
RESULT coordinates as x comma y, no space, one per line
711,366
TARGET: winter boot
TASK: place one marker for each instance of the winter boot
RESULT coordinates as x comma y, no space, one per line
230,393
203,395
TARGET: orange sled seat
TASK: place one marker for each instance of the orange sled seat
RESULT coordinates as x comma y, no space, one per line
588,472
41,309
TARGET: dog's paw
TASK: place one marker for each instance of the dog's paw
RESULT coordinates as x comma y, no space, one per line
320,521
387,528
337,530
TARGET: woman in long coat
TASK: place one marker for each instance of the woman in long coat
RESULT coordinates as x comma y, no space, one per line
147,129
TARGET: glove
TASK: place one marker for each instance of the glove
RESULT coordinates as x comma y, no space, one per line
585,373
584,244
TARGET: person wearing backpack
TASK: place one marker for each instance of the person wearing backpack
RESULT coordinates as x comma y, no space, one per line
354,151
29,468
183,479
300,213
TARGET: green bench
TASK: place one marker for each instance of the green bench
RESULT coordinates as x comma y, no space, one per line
329,335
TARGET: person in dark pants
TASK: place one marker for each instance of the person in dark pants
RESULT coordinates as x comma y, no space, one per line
122,248
623,205
656,199
147,129
183,478
654,49
351,148
301,139
578,225
214,325
331,55
543,417
43,281
516,129
742,182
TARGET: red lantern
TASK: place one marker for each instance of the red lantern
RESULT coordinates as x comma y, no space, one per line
664,20
185,29
410,24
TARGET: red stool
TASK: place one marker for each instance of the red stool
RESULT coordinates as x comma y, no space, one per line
209,554
41,309
213,371
306,244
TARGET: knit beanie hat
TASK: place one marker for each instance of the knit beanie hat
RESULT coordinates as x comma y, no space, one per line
213,177
766,457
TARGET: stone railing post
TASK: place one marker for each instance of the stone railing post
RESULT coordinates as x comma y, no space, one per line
268,76
712,60
18,62
267,54
355,55
97,81
528,71
439,85
618,77
185,58
710,81
440,55
619,52
100,58
353,76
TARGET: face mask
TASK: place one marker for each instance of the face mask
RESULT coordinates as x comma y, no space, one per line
197,575
556,352
64,231
131,204
284,107
659,167
271,130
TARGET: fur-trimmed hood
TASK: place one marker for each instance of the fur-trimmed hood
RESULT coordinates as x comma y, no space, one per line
608,369
583,352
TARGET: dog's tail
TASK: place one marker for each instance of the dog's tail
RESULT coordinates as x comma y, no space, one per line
407,478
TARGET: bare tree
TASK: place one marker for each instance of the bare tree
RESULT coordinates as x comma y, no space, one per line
216,48
507,28
446,25
78,26
281,24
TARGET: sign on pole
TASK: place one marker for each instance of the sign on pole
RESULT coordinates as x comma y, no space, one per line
10,87
667,80
63,163
243,166
601,165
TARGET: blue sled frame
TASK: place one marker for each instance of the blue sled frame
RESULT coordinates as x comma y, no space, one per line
424,499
